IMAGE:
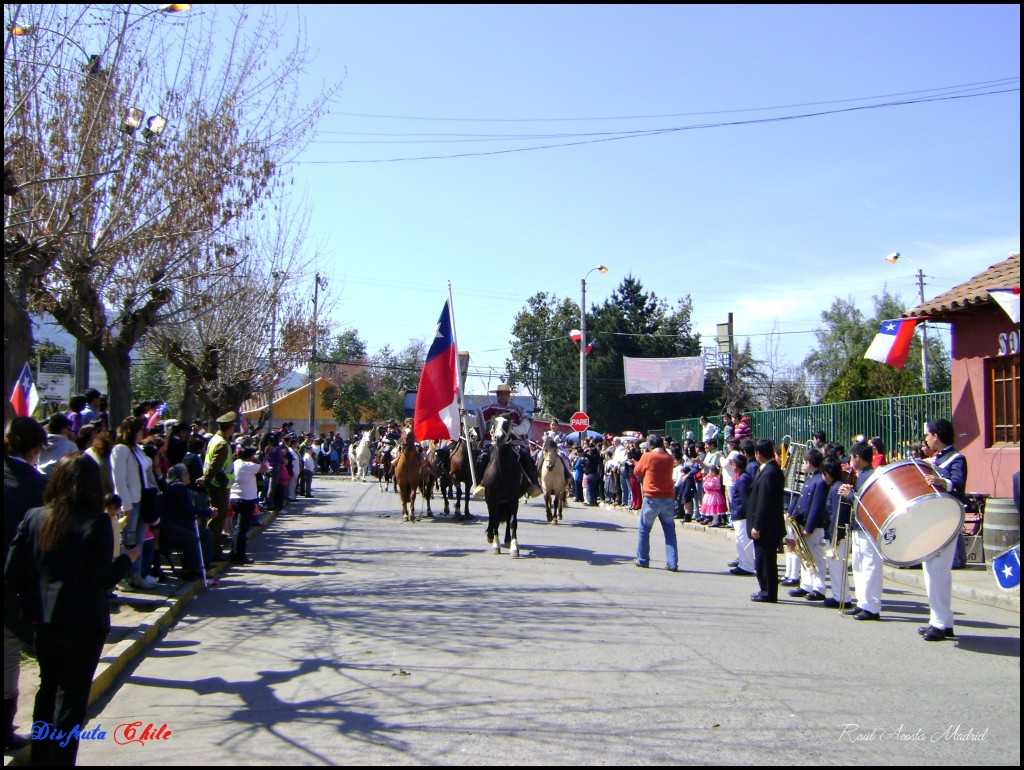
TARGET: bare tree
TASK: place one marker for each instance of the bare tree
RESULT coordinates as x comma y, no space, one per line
224,322
133,219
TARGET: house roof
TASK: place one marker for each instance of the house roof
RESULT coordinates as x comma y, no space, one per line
973,293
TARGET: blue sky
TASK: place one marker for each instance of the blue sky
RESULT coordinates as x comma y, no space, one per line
770,221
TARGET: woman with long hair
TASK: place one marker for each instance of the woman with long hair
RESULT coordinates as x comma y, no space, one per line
59,573
130,466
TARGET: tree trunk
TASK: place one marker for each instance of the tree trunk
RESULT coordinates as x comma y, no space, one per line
118,366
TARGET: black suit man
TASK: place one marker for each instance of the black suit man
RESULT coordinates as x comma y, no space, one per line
765,523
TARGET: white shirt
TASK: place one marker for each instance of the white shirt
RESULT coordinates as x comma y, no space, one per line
244,486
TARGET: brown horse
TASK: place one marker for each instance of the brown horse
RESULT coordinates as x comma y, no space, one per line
407,474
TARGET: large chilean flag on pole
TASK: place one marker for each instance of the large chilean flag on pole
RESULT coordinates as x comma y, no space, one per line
437,400
24,397
892,343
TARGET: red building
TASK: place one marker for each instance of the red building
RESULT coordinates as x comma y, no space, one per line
985,376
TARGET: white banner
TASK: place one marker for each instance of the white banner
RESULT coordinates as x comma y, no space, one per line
663,375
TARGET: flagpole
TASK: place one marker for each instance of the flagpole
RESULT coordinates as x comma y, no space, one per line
458,387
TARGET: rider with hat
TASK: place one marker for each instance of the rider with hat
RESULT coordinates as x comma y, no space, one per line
503,406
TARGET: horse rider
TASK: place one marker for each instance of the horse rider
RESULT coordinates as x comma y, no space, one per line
503,406
555,435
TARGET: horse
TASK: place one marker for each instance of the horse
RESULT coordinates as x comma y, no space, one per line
384,466
428,474
458,476
552,480
503,485
359,456
407,473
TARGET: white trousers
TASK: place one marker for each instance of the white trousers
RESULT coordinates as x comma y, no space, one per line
836,572
814,580
744,546
867,573
938,581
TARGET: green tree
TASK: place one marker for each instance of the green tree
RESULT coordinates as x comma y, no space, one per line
636,323
351,401
843,374
544,359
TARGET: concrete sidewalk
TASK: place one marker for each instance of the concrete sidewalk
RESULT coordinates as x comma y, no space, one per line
140,617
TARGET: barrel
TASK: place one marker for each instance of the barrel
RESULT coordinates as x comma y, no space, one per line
1001,529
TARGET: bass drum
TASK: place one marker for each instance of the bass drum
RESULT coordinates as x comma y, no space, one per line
907,519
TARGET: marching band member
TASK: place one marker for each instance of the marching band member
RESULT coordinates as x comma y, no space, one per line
951,476
838,515
811,515
867,562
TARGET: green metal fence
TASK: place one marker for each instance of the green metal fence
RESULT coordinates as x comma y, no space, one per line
899,421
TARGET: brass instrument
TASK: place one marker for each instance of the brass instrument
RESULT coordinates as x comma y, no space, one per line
803,550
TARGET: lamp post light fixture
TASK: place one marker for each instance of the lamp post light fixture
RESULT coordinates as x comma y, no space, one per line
892,259
583,335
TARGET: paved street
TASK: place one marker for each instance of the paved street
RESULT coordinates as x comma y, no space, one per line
359,639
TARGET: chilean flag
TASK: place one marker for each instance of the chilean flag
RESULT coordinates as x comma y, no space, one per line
892,343
25,396
437,403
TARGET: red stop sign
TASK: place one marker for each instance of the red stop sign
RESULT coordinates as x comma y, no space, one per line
580,422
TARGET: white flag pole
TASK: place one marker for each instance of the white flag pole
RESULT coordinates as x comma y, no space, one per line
458,387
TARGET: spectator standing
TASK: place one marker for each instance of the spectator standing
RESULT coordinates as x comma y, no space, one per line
654,469
60,443
60,571
128,463
217,477
23,490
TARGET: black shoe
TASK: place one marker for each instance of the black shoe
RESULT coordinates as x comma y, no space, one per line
799,593
734,563
789,582
933,634
637,563
815,596
855,610
241,560
834,604
865,615
761,598
738,571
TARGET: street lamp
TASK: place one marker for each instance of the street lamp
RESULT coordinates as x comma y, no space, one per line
583,336
892,259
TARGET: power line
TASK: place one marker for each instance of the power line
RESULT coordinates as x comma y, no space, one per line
660,131
969,86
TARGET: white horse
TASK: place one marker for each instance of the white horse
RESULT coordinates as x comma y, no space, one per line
359,456
553,481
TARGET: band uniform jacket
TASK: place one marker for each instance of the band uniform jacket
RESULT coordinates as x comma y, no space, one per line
766,502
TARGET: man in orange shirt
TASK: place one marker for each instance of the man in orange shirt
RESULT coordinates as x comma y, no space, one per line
654,469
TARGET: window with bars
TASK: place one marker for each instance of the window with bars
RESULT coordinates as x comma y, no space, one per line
1004,400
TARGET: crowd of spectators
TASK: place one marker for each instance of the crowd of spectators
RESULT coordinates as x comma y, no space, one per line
92,512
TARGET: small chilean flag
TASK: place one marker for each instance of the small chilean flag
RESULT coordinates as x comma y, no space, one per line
892,343
25,396
437,402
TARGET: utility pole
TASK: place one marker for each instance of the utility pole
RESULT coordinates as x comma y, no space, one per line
312,358
272,370
924,331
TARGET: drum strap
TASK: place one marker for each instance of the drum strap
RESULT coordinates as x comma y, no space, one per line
949,460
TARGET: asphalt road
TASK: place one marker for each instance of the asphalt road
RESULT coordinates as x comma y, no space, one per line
360,639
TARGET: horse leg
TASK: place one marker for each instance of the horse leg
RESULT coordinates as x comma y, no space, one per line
513,526
493,528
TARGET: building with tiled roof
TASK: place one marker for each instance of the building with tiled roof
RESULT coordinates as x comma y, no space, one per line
985,376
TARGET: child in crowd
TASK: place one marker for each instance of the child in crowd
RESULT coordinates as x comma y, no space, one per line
713,505
112,505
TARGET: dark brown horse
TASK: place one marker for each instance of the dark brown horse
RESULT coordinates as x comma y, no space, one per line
456,480
503,482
